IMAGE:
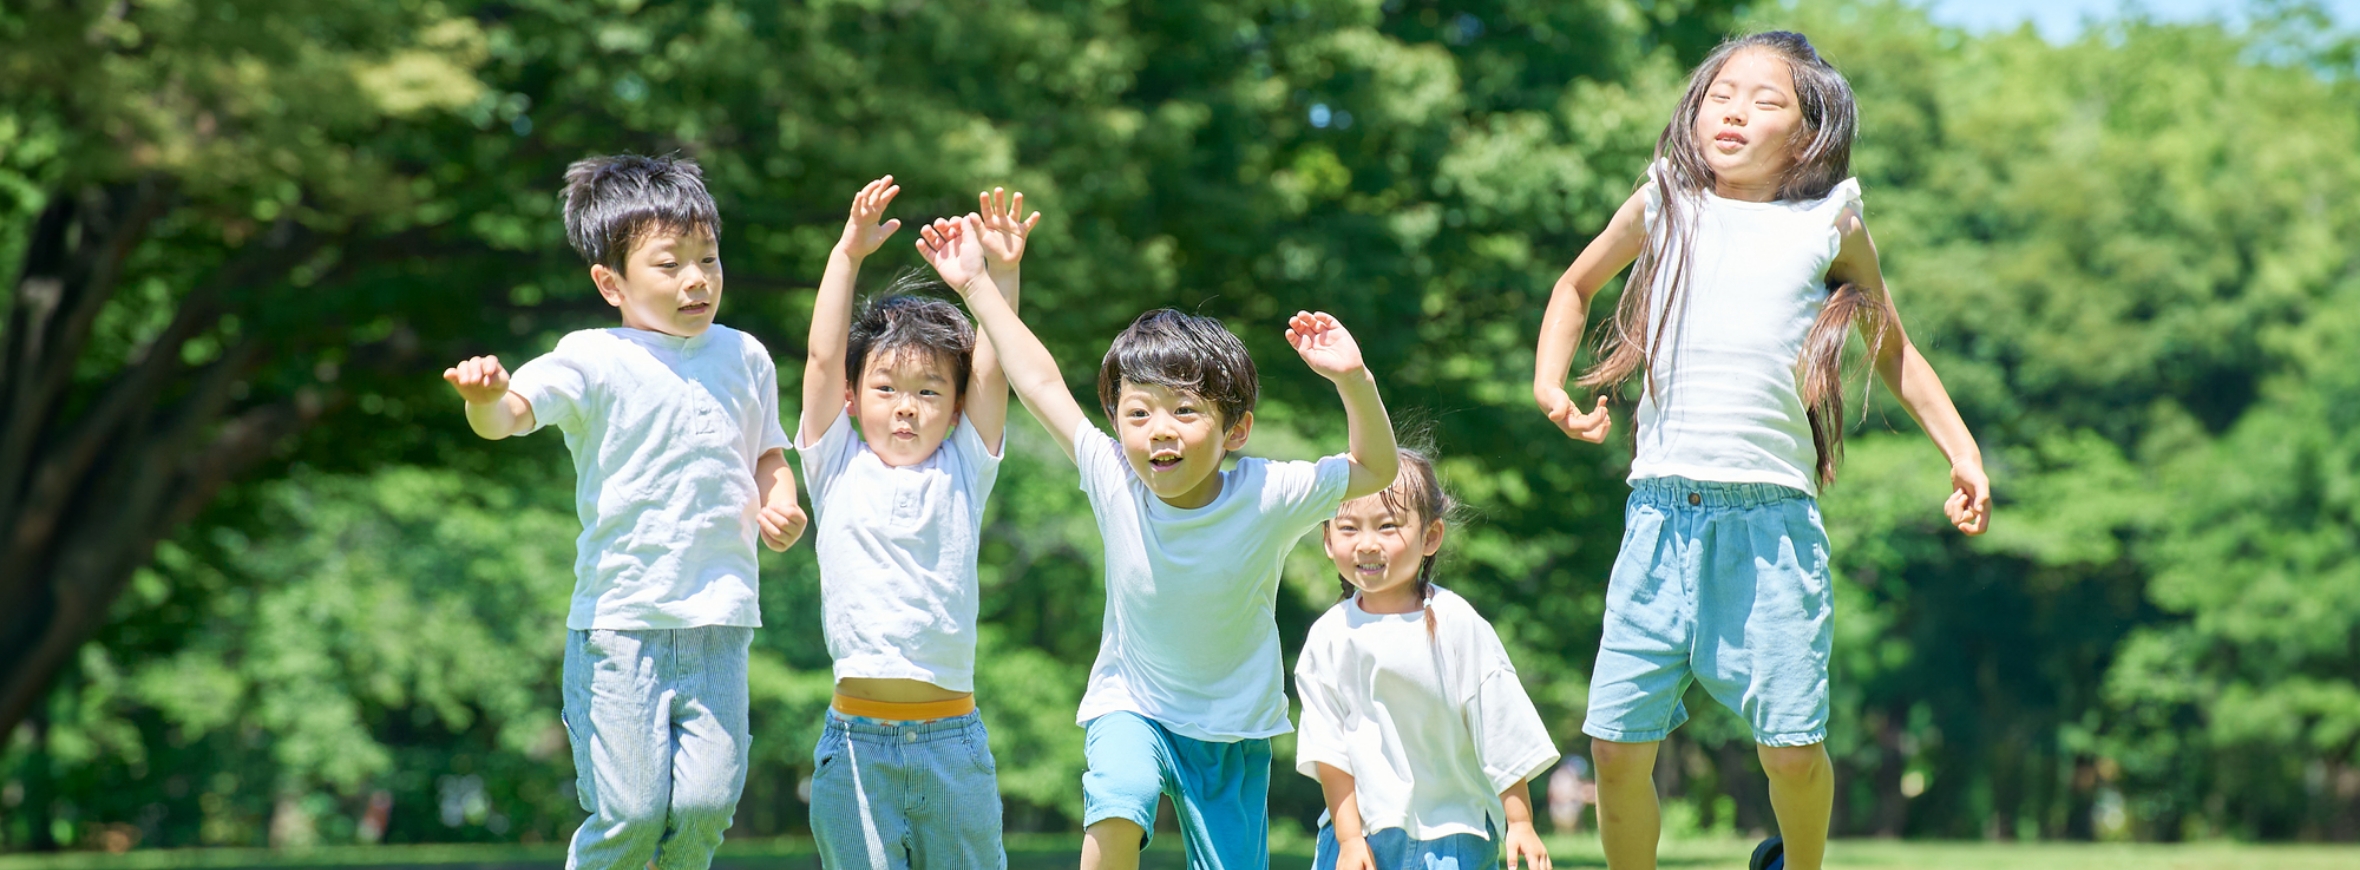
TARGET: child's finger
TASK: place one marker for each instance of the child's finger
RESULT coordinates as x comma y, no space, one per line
890,227
1016,203
1028,223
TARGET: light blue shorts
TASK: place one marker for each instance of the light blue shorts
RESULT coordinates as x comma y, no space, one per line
1220,791
1725,585
903,795
1392,849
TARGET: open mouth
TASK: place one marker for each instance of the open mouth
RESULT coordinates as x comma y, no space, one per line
696,308
1369,570
1164,461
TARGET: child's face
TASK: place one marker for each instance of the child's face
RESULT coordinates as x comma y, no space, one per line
905,403
1174,441
670,283
1378,549
1748,121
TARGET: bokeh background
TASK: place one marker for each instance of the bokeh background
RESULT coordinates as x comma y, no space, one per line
259,586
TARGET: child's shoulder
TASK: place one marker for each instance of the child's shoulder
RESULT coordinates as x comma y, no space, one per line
1454,608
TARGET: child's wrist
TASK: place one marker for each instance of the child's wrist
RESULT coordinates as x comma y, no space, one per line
851,254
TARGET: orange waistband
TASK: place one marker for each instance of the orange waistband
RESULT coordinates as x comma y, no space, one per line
903,711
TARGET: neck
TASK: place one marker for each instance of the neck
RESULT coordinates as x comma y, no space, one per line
1399,599
1760,191
1199,495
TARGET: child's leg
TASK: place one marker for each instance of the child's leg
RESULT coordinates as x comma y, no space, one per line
857,818
620,727
1629,820
710,739
1803,794
1221,795
1126,755
955,817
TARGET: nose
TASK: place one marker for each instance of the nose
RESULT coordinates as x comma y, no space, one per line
695,277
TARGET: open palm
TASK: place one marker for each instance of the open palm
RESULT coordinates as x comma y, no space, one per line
999,228
1324,344
951,248
863,233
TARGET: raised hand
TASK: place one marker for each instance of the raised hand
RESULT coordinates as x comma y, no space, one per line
863,234
1325,345
952,249
480,380
998,225
1568,416
1969,505
782,526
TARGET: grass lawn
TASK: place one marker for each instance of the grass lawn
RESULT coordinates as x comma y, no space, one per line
1041,852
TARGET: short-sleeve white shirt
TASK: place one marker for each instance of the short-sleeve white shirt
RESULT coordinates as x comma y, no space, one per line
1432,728
664,432
897,553
1191,633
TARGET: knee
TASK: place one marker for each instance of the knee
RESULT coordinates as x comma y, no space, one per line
1795,764
1622,760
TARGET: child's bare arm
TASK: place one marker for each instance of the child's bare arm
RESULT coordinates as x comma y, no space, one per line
1520,841
1343,800
831,312
1329,349
492,411
1912,380
781,517
1002,229
1569,306
1028,366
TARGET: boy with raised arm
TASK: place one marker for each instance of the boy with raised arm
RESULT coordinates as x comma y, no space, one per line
679,463
1186,692
903,414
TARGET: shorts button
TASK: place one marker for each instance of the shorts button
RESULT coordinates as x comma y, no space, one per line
1695,498
911,735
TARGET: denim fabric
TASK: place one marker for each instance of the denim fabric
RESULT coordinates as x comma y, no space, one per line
658,724
1725,585
1220,791
1392,849
899,795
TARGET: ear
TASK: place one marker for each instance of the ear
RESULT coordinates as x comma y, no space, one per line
1327,542
1434,532
610,284
1235,438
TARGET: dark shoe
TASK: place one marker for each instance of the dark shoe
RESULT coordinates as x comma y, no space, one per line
1771,855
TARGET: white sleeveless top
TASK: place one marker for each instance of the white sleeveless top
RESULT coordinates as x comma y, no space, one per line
1726,405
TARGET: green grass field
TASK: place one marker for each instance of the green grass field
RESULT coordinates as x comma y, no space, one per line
1036,852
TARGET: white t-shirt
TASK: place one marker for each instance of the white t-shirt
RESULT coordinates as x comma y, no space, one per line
1726,405
897,554
665,432
1432,729
1191,634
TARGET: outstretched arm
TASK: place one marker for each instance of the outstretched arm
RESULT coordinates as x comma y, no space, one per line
1912,380
1329,349
1026,362
1569,306
831,312
492,411
1001,228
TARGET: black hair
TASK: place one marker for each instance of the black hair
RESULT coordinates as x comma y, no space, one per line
1181,351
1416,492
613,202
904,317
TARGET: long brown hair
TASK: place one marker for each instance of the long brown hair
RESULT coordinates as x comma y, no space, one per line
1630,343
1416,491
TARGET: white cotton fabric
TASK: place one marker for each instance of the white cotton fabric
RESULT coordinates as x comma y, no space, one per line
1431,729
1726,405
664,432
897,554
1191,632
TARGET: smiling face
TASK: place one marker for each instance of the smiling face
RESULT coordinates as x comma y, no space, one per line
905,402
1378,548
1747,125
1175,441
670,283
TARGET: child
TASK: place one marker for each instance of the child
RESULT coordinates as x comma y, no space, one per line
1186,693
1413,721
679,461
903,776
1745,221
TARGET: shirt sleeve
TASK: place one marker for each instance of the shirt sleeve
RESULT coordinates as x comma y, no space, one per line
1320,738
1104,472
824,460
981,467
1510,738
774,436
557,385
1305,494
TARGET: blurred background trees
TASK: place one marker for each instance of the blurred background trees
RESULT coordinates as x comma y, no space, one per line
262,586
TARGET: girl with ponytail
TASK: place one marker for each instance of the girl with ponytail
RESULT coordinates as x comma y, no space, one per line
1753,267
1413,721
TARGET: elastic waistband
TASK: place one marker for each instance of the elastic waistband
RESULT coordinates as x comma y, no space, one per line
865,729
903,711
1678,492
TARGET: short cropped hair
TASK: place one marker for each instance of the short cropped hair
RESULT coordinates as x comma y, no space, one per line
614,202
1181,351
905,318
